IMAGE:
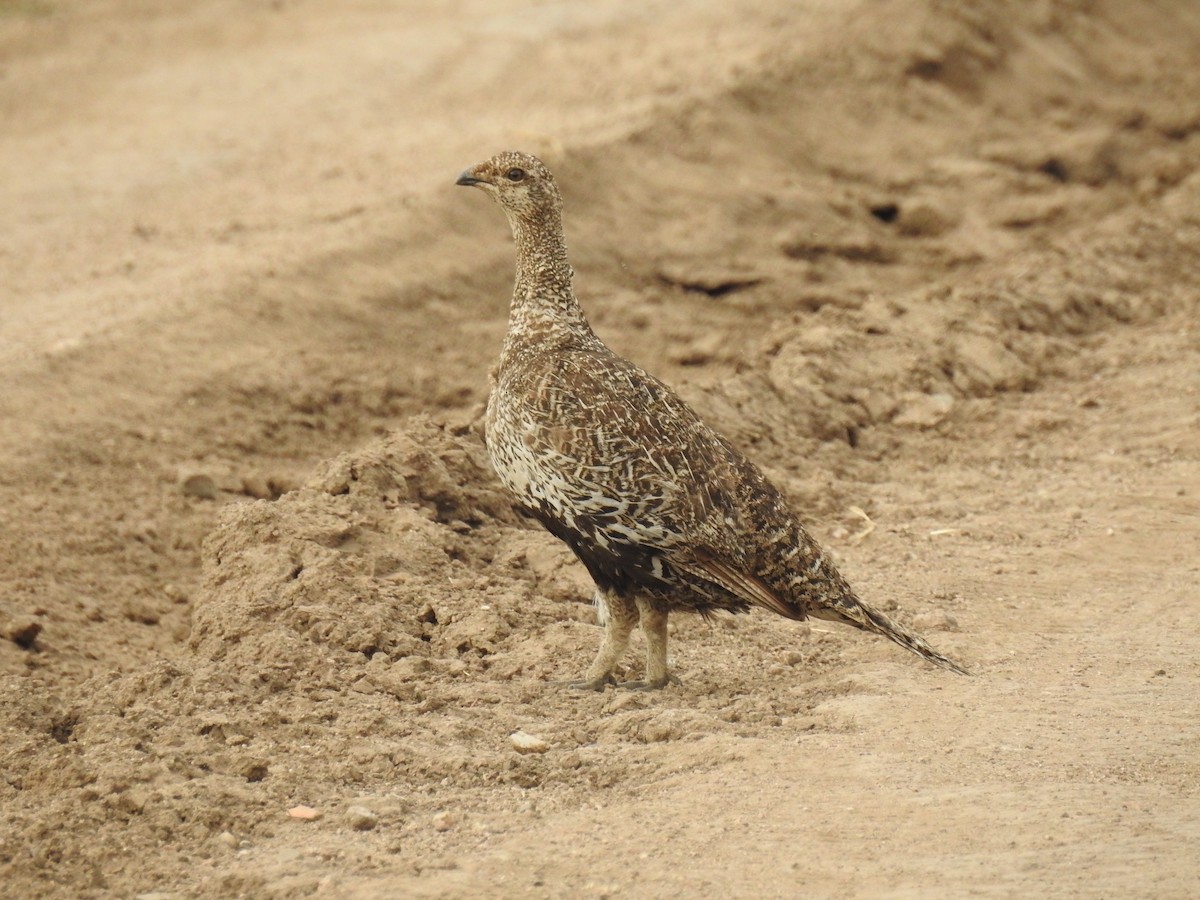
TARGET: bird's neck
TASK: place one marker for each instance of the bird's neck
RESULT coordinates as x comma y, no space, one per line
543,304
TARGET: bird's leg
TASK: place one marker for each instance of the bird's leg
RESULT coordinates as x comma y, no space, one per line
622,615
654,628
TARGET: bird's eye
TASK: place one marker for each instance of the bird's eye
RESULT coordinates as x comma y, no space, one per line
515,174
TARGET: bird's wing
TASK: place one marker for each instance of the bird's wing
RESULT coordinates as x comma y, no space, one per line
645,478
741,584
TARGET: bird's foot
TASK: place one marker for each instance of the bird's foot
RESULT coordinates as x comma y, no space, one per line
590,684
656,684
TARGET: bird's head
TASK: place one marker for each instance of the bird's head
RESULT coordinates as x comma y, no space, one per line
520,183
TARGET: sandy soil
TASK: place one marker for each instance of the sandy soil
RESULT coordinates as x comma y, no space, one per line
937,270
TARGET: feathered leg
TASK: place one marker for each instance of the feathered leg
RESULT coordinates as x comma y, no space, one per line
654,627
621,614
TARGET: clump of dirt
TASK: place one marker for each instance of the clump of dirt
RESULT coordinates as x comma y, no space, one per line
382,530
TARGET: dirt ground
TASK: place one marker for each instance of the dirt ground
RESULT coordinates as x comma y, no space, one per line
268,627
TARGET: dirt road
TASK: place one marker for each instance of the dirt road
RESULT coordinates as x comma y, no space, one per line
937,270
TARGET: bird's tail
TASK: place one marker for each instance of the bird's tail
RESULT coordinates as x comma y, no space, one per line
852,611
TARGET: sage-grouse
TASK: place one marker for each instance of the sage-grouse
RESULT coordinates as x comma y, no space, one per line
662,511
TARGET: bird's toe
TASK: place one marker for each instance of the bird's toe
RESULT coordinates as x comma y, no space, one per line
590,684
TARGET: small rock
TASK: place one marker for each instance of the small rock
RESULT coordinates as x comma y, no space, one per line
304,813
925,219
361,819
229,839
528,743
444,821
199,485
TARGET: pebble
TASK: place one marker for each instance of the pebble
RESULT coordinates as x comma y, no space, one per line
304,813
229,839
361,819
926,219
444,821
199,485
528,743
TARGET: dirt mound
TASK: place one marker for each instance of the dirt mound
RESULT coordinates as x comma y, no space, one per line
351,561
390,622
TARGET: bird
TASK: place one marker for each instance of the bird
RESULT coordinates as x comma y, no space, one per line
664,513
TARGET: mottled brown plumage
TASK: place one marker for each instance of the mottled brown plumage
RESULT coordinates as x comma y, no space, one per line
662,511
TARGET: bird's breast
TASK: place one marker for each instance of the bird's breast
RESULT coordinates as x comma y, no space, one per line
521,446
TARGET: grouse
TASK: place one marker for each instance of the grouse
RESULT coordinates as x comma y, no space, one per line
662,511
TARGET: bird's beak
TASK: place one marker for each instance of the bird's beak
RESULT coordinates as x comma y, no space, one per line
466,179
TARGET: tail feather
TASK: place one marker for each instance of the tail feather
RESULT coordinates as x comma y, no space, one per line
852,611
